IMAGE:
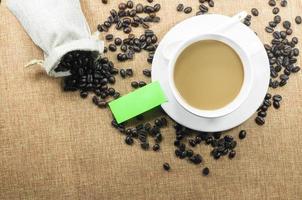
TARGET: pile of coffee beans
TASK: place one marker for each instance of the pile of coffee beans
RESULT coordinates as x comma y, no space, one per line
89,73
202,9
125,18
143,132
282,53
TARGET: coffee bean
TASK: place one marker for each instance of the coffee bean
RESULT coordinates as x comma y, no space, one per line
242,134
188,10
145,145
289,31
123,73
139,8
286,24
156,147
118,41
129,140
269,29
255,12
84,94
298,20
180,7
205,171
166,167
295,69
122,6
276,10
142,83
112,47
217,135
130,4
211,3
109,37
232,154
277,98
104,1
260,121
277,19
196,159
262,114
157,7
283,3
268,96
272,3
276,104
203,8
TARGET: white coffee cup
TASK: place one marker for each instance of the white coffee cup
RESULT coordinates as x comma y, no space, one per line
175,50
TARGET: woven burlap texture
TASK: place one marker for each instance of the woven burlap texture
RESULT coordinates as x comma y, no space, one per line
54,145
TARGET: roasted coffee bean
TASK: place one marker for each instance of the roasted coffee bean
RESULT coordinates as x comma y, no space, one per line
242,134
232,154
142,83
180,7
109,37
84,94
277,19
189,153
156,147
104,1
286,24
247,23
255,12
298,20
166,167
268,96
129,72
122,6
272,3
157,7
269,29
147,72
139,8
118,41
192,143
260,121
275,10
289,31
211,3
145,145
295,69
267,103
123,73
283,3
277,98
188,10
282,83
127,30
262,114
129,140
124,48
196,159
203,8
206,171
276,104
112,47
295,40
130,4
217,135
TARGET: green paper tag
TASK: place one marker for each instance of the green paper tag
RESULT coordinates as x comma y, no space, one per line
137,102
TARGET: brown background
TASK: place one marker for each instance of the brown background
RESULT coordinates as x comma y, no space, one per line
54,145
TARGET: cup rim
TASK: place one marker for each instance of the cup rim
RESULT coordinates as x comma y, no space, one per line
245,88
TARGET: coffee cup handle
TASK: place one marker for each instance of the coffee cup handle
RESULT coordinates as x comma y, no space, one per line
171,48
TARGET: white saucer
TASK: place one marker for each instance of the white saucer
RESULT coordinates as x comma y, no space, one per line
247,40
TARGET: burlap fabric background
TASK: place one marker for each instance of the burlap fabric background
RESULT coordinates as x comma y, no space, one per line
53,145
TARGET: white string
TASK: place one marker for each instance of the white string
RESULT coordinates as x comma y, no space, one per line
34,62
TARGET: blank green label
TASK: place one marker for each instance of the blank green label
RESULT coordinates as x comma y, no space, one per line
137,102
